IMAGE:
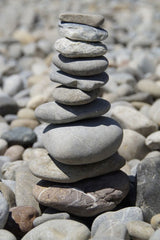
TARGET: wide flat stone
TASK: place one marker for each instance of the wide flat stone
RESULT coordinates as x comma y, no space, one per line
83,142
75,49
47,168
81,66
74,96
82,32
57,113
84,198
84,83
88,19
59,229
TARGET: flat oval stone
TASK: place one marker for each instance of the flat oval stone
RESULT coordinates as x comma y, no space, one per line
83,142
89,19
85,198
76,49
77,31
57,113
20,135
84,83
47,168
59,229
81,66
74,96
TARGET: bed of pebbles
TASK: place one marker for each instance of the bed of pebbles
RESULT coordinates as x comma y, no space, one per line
101,177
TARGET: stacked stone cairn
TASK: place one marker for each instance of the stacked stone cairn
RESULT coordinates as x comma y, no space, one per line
80,170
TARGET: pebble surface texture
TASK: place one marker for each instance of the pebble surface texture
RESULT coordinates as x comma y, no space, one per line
81,143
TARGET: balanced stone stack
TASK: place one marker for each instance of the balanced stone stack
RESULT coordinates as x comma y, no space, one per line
79,167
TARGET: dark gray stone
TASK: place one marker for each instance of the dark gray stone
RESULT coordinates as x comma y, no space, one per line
8,106
20,135
148,187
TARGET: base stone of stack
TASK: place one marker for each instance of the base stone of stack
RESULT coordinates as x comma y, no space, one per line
47,168
83,142
84,198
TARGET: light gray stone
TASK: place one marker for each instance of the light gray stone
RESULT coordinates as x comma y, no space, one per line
140,230
85,83
76,49
45,167
77,31
59,229
13,85
81,66
9,169
4,211
154,112
50,216
149,86
132,119
153,141
83,142
57,113
88,19
121,216
116,231
85,198
4,127
133,145
25,181
74,96
6,235
155,235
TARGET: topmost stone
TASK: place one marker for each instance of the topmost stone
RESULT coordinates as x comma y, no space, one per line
88,19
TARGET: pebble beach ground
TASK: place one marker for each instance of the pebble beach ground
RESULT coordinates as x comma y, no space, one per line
28,32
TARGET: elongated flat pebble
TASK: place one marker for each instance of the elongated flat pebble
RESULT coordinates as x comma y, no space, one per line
81,66
74,96
47,168
84,198
76,31
76,49
84,83
56,113
88,19
83,142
